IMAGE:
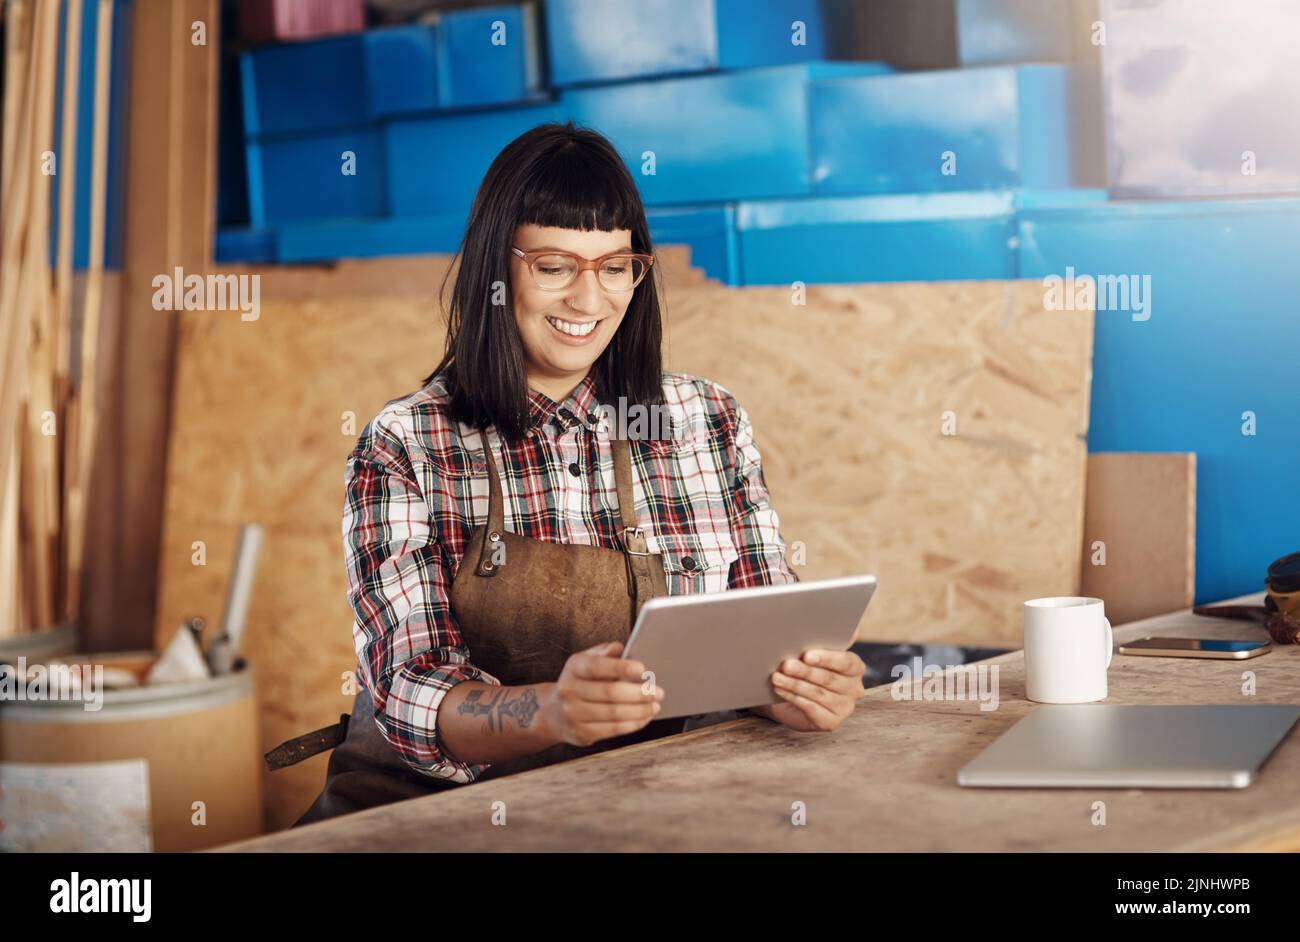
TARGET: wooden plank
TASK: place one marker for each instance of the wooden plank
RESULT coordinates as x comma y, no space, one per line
169,213
13,200
26,380
1139,535
82,412
896,756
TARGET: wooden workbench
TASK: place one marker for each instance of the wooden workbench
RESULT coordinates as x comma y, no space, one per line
884,781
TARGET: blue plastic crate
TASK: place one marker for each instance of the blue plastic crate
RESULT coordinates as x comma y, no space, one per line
469,58
402,66
249,246
593,41
714,138
365,238
489,56
435,164
301,178
710,231
829,240
1215,341
343,81
971,129
305,86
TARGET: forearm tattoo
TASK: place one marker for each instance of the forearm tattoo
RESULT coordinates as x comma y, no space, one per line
521,707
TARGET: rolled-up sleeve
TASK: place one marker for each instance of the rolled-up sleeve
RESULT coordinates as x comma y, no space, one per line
409,649
755,524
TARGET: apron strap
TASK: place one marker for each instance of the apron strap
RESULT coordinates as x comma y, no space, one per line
640,584
496,514
308,744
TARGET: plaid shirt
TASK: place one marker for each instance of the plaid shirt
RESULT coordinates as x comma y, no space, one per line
416,486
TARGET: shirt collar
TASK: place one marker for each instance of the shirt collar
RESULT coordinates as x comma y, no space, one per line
580,408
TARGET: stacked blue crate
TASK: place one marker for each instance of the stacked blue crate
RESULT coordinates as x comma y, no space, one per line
1030,126
436,162
367,238
919,176
739,131
317,120
911,237
713,138
775,166
694,144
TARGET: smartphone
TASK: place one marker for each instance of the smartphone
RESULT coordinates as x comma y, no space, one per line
1196,647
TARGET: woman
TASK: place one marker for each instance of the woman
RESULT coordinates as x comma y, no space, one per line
504,524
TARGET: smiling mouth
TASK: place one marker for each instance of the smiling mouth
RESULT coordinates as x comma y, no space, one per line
572,328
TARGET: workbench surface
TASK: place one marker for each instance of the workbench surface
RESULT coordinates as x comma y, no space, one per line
884,781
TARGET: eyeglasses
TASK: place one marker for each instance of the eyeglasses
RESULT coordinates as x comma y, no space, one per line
555,271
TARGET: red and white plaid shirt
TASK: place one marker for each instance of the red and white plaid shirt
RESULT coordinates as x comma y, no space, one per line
416,486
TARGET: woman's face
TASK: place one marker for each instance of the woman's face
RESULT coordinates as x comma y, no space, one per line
558,360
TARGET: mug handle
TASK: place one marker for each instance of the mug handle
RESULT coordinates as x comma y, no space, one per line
1110,642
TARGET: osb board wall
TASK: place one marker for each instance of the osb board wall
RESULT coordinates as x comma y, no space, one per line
846,393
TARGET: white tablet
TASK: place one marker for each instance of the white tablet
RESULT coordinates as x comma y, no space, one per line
717,651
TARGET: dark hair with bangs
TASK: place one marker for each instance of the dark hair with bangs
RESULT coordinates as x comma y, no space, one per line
567,177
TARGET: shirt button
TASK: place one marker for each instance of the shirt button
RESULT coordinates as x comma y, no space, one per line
575,470
565,414
688,562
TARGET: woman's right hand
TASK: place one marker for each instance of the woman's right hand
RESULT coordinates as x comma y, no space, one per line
599,695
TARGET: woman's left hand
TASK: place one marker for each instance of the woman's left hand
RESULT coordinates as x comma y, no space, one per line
818,690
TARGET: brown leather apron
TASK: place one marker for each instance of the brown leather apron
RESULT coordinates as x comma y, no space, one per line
523,607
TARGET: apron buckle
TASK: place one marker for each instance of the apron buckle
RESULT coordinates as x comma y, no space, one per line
639,534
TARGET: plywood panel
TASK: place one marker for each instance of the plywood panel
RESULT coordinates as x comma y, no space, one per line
847,396
1139,535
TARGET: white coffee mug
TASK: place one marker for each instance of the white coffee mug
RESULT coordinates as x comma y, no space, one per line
1068,648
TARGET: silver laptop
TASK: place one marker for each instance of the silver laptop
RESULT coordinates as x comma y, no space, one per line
716,651
1140,746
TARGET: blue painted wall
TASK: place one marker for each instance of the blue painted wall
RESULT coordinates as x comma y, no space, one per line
1222,339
